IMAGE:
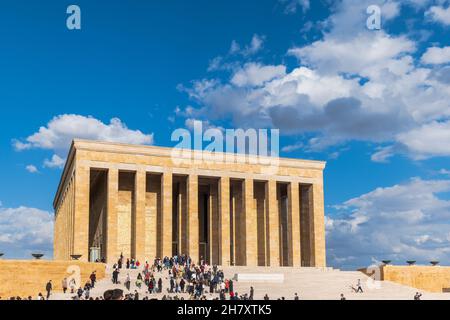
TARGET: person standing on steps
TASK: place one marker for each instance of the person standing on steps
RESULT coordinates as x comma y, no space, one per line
48,288
359,286
128,282
64,285
115,276
93,278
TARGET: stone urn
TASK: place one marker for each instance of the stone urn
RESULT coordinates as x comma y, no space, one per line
386,262
75,256
434,263
37,256
411,262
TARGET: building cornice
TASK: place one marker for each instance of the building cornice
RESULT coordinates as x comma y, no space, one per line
166,152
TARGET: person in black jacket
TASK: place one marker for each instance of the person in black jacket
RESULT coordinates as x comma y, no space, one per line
93,278
48,288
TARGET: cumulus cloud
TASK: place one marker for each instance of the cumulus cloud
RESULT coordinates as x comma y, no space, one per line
431,139
439,14
436,55
334,54
352,84
254,74
24,230
408,221
31,168
55,162
62,129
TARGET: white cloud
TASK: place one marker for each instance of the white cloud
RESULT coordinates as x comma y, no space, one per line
235,47
291,6
439,14
435,55
254,74
390,10
255,45
432,139
62,129
352,84
205,124
25,230
55,162
383,154
293,147
392,223
366,54
31,168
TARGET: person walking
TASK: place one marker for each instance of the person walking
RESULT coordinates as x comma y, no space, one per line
359,286
93,278
115,278
48,288
128,282
72,285
64,285
182,284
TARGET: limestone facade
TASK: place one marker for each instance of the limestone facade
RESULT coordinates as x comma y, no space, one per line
146,202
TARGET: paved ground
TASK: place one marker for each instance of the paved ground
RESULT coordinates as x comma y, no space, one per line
309,283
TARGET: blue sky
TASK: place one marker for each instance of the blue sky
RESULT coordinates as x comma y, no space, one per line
373,104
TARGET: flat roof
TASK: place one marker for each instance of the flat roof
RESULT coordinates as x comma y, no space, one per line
149,150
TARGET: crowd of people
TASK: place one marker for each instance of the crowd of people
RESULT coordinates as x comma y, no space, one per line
184,277
183,280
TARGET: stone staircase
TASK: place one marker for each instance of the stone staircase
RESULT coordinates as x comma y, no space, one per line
309,283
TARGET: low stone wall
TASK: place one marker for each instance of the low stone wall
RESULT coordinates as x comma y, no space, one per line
28,277
427,278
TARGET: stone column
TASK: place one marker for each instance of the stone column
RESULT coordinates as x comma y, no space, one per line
111,216
233,255
63,227
251,225
210,212
318,252
192,191
81,225
224,195
180,220
215,230
139,216
167,214
56,232
274,224
294,218
184,218
71,209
